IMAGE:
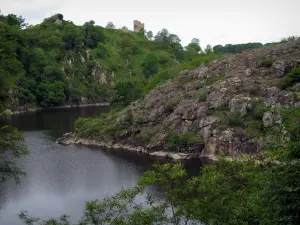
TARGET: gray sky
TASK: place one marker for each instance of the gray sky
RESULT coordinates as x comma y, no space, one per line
212,21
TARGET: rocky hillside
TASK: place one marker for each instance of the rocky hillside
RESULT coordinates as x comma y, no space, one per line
56,62
224,106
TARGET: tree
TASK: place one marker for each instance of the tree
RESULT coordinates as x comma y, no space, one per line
13,20
149,35
11,148
150,64
253,190
54,73
60,16
162,35
196,41
92,34
110,25
11,140
229,48
173,39
218,48
178,51
208,49
101,51
72,36
190,53
195,44
126,92
51,94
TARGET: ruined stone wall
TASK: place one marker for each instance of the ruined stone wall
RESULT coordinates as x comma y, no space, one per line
137,26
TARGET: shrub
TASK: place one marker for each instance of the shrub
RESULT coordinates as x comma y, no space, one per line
257,111
199,85
139,120
146,134
105,124
101,51
150,64
202,96
214,79
235,120
175,141
126,92
170,106
125,119
267,62
291,78
182,79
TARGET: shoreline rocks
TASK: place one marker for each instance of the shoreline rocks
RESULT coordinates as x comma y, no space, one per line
8,112
69,139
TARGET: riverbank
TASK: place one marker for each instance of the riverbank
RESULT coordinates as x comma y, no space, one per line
69,138
8,112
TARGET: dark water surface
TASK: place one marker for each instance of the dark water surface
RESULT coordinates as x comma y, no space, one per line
61,178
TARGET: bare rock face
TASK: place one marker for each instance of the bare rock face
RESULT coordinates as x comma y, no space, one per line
248,72
235,84
271,117
240,104
279,68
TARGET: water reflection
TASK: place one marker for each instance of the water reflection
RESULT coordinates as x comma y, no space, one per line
61,178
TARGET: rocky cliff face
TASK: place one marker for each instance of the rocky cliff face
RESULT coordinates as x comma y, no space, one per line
219,107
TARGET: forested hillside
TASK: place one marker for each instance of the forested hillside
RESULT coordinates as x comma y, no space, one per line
223,106
191,103
57,62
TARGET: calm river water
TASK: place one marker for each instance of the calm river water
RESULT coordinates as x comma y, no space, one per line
61,178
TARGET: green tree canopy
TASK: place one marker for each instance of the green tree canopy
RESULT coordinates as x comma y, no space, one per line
150,64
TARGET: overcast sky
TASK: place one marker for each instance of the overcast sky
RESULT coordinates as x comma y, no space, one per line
212,21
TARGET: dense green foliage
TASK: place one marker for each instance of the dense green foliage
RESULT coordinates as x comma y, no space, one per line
33,60
178,142
11,141
260,190
11,148
229,48
291,78
57,62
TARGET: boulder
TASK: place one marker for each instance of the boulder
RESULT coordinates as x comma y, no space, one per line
248,72
271,117
279,68
240,104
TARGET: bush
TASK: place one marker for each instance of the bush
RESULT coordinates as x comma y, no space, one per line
101,51
199,85
291,78
139,120
235,120
150,64
146,134
202,96
182,79
214,79
170,106
257,111
126,92
267,62
105,124
177,142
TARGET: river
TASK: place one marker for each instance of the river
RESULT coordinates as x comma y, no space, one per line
59,179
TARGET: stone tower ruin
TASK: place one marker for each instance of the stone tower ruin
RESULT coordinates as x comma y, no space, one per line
137,26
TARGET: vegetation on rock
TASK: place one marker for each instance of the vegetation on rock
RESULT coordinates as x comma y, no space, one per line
179,99
57,62
227,103
252,190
